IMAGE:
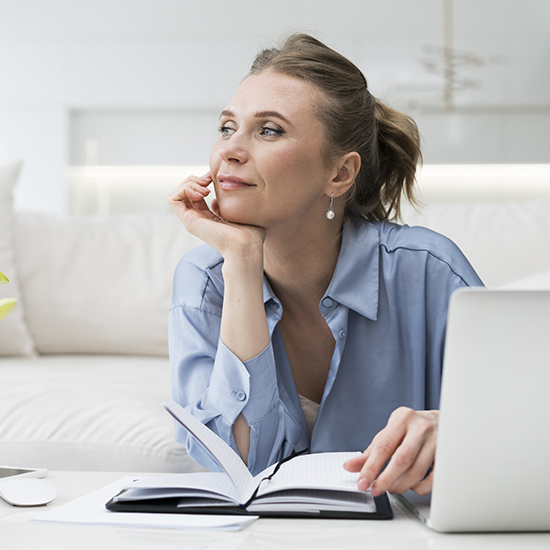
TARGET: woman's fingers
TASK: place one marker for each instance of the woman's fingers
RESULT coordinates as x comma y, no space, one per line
188,199
382,448
188,203
424,486
355,464
408,467
215,208
193,189
189,195
412,455
408,443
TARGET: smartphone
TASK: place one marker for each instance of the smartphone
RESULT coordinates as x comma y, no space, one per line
10,471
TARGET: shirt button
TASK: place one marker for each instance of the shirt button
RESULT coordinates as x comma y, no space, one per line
240,395
342,334
327,302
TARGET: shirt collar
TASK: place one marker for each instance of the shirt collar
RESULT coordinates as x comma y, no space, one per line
268,293
355,283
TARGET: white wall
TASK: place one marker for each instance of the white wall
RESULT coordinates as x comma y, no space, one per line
131,73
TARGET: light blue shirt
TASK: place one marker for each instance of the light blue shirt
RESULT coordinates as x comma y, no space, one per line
387,309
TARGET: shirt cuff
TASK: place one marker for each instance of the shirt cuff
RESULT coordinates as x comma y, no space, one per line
249,388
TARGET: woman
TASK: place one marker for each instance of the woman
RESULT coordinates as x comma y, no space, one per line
310,320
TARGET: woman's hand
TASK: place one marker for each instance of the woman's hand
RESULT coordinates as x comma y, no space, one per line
188,203
408,441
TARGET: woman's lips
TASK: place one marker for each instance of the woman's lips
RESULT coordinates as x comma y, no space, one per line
231,183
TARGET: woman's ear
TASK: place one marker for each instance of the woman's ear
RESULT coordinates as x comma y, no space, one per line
347,169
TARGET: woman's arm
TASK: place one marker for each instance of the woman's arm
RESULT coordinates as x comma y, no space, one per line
213,384
244,327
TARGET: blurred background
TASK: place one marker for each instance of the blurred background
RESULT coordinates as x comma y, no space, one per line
110,103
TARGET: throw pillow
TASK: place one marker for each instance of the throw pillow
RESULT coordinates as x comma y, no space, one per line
15,338
100,284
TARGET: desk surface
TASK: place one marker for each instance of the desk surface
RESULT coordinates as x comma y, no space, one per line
265,534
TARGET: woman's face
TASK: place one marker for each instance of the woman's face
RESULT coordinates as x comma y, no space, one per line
267,165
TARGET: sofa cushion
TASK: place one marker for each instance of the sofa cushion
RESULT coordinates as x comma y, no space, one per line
99,285
538,281
15,338
70,412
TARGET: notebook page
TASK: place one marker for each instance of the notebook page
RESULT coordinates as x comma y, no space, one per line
222,453
314,471
309,500
216,483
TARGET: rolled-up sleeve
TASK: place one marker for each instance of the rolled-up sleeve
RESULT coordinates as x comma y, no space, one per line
211,382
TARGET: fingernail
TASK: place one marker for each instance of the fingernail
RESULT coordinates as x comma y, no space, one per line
363,484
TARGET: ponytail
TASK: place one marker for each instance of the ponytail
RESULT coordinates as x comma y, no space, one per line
391,174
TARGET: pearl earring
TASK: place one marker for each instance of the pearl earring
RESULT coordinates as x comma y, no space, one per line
330,210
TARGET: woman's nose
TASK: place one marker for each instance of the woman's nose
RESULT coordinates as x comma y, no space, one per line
234,149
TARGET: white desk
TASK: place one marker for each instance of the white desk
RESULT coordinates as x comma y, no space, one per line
16,533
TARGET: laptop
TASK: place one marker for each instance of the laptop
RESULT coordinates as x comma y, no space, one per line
492,461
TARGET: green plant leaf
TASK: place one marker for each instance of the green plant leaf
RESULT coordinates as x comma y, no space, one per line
3,279
6,305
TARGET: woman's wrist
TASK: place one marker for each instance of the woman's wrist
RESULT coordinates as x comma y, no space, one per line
244,261
244,325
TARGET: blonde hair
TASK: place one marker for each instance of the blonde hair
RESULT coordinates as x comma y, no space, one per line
387,140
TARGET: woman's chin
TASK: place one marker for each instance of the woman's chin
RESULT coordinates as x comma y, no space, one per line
237,214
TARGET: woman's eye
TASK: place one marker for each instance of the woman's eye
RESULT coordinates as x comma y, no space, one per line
226,131
268,131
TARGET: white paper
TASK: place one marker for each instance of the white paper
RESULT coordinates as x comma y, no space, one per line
306,500
217,483
90,509
222,453
315,471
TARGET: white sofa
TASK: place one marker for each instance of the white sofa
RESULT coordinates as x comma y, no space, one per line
83,356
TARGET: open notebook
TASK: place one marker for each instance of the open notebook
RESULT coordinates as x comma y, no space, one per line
305,485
